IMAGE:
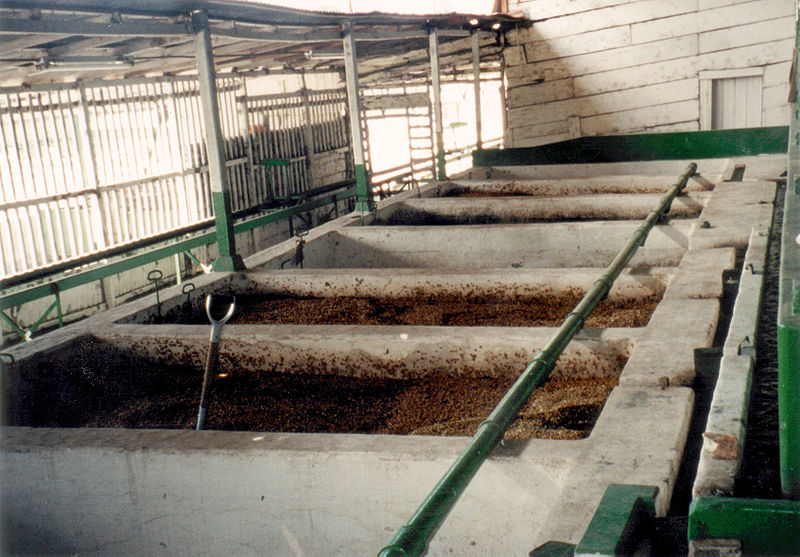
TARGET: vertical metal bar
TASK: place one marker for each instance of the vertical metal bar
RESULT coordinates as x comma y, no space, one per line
56,183
248,138
322,118
51,181
89,169
184,120
176,139
16,182
124,153
225,136
178,276
503,105
7,264
476,78
156,107
281,176
33,256
45,185
281,120
364,196
433,40
253,114
228,259
20,139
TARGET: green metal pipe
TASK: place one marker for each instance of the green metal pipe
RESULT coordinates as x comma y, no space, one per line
413,538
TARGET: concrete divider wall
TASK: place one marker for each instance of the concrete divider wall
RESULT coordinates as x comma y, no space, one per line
590,244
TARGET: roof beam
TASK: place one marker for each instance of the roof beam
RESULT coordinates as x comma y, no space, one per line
18,44
78,47
71,27
253,34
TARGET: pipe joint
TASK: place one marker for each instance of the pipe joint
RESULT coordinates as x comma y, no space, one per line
541,358
491,424
580,317
605,283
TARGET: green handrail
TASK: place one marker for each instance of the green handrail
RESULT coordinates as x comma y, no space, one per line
413,538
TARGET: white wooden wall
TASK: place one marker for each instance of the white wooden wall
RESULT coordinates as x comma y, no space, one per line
596,67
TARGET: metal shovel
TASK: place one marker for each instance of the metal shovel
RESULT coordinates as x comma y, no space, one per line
212,361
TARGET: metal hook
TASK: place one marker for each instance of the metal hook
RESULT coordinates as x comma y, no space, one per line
186,290
154,276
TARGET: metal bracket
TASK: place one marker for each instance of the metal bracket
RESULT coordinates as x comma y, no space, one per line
206,268
27,333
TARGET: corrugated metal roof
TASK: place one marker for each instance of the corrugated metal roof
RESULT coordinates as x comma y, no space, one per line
47,40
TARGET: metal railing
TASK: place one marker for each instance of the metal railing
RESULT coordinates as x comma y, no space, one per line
156,251
88,167
413,538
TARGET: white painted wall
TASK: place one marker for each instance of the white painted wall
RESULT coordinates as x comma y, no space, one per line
597,67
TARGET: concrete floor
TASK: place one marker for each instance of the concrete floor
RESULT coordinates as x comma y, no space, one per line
115,491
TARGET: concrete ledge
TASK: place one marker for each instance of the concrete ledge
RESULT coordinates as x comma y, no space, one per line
732,205
638,439
741,339
521,209
397,283
665,354
121,492
724,436
374,351
699,274
542,245
712,169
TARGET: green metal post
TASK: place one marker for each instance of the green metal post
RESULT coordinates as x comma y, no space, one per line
413,538
789,313
789,408
228,259
364,203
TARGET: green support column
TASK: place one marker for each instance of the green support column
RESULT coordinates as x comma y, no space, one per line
436,82
228,259
789,408
364,201
789,311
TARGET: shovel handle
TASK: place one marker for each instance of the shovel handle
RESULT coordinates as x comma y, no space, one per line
212,363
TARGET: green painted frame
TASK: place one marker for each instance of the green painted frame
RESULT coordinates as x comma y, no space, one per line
764,526
643,147
166,249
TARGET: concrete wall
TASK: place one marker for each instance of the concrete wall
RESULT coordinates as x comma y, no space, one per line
595,67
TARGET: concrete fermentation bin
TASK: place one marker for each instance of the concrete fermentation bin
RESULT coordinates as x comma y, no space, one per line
349,384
